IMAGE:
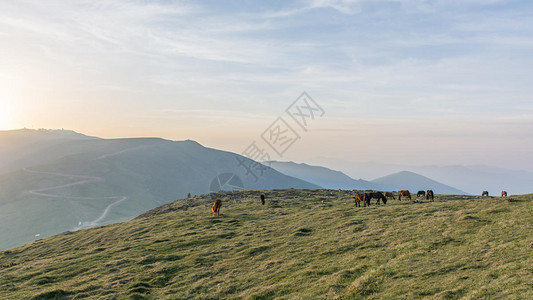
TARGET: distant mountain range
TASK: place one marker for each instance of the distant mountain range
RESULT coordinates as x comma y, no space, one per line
324,177
331,179
413,182
472,179
57,180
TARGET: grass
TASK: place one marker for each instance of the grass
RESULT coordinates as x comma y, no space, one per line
302,244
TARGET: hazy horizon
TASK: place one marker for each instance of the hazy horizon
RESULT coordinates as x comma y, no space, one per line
399,81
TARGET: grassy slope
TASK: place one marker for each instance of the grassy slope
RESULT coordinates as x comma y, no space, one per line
305,244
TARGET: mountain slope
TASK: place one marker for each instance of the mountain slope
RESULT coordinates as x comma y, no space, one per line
322,176
301,245
99,181
413,182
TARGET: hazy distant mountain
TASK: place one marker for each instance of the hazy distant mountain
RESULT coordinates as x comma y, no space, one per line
413,182
475,179
328,178
364,170
472,179
72,181
322,176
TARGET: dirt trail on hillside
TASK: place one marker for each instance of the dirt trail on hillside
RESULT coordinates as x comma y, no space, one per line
123,151
44,192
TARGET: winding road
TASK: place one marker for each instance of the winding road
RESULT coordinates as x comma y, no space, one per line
45,192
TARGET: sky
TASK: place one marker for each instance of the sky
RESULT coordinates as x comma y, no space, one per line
399,81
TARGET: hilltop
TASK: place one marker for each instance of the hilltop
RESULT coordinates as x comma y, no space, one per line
301,244
26,147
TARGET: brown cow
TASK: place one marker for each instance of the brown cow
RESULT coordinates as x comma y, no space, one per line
389,194
504,193
216,207
429,195
362,197
377,195
485,193
404,193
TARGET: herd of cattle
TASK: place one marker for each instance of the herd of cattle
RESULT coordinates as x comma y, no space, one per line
364,198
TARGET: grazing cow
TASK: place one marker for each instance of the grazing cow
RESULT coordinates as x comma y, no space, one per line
362,197
504,193
485,193
216,207
421,194
389,194
404,193
263,199
429,195
377,195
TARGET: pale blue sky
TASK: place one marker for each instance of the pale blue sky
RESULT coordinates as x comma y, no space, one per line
401,81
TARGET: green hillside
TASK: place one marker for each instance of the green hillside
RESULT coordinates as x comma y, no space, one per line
302,244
